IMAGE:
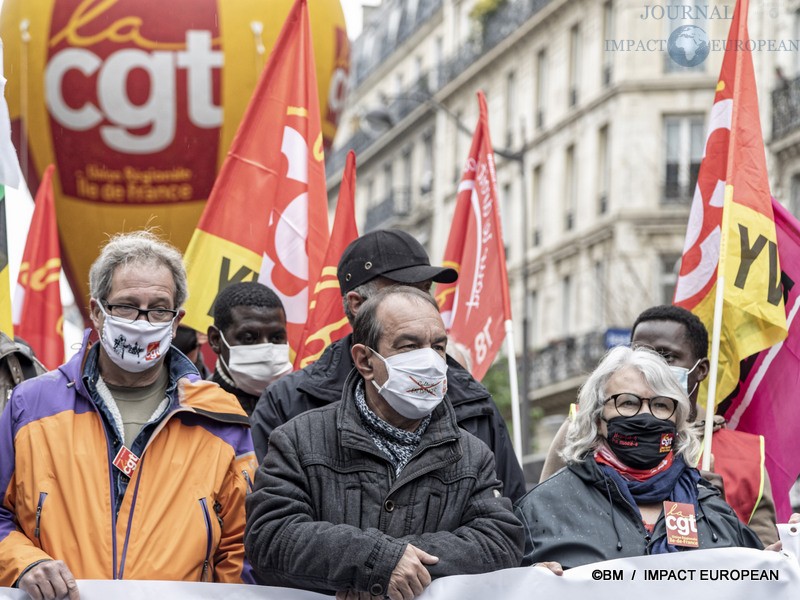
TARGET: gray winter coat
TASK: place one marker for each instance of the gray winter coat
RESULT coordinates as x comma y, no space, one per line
578,516
327,512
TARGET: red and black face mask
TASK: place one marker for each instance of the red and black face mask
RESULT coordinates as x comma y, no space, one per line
641,441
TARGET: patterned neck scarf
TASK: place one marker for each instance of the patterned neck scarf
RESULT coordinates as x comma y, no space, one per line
397,444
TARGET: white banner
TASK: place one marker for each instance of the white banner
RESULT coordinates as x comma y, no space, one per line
728,574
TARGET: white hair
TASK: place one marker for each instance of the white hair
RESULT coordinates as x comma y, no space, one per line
583,436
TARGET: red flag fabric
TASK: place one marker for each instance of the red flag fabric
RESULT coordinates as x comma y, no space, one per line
326,321
38,313
476,306
267,216
731,230
766,400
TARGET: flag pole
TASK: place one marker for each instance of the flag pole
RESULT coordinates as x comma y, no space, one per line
516,420
716,330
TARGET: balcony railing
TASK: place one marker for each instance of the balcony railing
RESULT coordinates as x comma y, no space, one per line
396,205
572,356
786,109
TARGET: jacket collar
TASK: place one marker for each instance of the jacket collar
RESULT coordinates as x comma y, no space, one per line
186,389
442,429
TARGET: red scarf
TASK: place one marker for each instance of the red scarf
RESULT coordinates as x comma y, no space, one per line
605,456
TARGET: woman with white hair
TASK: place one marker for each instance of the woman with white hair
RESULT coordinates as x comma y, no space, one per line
630,456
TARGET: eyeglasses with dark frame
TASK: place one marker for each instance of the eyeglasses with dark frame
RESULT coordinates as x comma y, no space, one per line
629,405
131,314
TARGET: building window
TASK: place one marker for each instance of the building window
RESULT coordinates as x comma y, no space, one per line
533,319
371,200
684,138
511,108
608,34
574,64
426,180
599,294
794,194
506,217
436,71
536,206
603,169
541,87
566,305
680,13
388,180
403,196
669,266
570,189
458,159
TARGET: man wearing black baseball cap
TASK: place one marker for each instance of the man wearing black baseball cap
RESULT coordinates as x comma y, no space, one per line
372,262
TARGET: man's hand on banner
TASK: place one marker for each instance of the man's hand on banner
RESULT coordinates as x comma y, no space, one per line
552,565
50,580
410,576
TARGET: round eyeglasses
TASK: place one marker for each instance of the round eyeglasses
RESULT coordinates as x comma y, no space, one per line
629,405
155,316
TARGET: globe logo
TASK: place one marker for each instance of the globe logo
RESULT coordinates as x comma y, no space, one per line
688,46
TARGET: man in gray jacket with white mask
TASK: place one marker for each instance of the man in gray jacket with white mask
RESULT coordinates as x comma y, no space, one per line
380,493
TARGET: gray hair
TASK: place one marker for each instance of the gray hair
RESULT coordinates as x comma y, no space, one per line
367,328
365,290
140,248
582,435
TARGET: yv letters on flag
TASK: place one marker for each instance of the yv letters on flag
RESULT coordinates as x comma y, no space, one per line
267,216
326,320
38,314
476,306
731,230
766,401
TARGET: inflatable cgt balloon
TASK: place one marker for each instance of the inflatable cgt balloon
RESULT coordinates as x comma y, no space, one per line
137,101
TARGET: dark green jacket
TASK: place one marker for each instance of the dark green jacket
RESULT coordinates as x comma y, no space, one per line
328,514
568,519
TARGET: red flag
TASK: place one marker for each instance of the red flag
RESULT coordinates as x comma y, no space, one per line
731,231
766,401
267,216
38,314
327,322
476,306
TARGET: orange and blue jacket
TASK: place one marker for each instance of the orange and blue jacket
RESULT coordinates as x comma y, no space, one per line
180,515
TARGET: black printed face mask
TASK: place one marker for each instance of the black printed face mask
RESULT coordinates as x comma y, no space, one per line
642,441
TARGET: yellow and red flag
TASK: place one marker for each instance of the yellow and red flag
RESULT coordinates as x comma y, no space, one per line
267,216
326,321
38,313
731,232
476,307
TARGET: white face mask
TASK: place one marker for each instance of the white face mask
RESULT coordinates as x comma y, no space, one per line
682,375
253,367
137,346
416,382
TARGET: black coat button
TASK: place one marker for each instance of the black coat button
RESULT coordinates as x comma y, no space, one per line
388,505
376,589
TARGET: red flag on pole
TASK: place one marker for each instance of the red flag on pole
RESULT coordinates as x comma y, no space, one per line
38,313
476,307
267,216
326,321
730,272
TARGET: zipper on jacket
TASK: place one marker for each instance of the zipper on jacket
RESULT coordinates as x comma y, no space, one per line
247,480
207,519
39,506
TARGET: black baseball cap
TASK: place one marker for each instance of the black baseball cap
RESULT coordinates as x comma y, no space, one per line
388,253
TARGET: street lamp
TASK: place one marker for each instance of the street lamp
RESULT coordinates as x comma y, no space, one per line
380,120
